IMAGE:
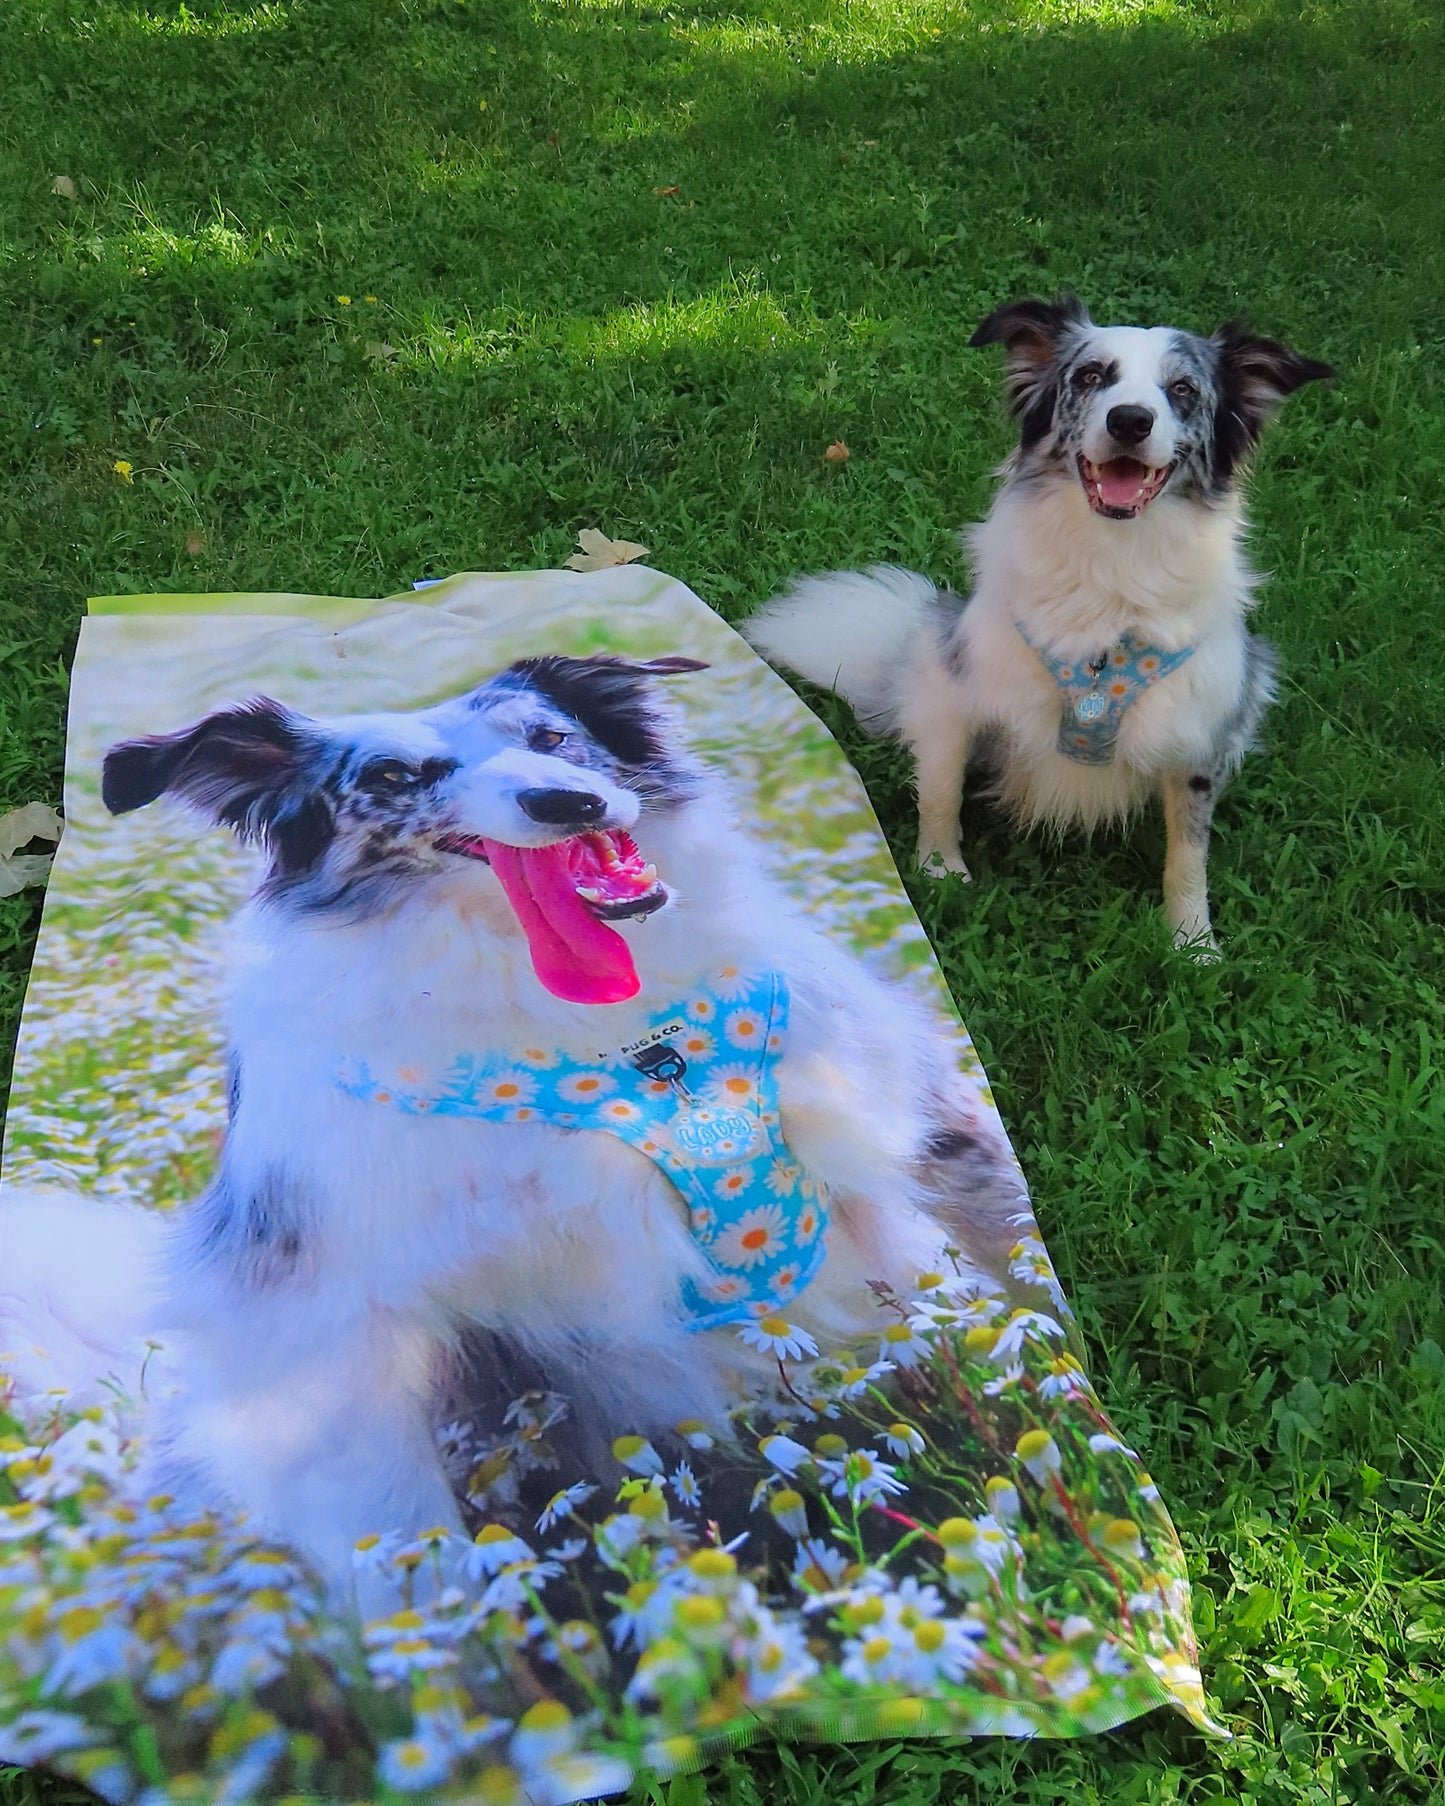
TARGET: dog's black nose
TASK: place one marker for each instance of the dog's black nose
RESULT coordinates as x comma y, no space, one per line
1129,424
562,808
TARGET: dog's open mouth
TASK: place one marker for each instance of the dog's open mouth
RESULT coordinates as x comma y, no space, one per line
564,896
1122,488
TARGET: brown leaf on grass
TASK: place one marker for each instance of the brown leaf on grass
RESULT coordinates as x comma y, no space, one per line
599,553
378,348
63,186
675,189
36,821
837,453
195,543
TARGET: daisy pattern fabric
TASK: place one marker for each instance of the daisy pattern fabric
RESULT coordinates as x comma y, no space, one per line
513,1277
1096,695
712,1124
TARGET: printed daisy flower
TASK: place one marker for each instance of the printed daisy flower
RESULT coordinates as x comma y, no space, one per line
638,1456
860,1478
732,984
1024,1326
695,1046
1002,1497
901,1344
784,1283
783,1453
562,1504
756,1236
732,1087
508,1088
1066,1676
1064,1379
903,1440
733,1183
702,1009
585,1087
544,1748
806,1224
775,1660
1120,1536
1039,1454
702,1219
746,1029
782,1179
724,1288
818,1567
776,1336
540,1058
493,1548
619,1111
790,1511
684,1485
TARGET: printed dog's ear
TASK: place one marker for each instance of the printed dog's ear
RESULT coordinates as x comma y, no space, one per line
1029,332
1256,375
242,767
608,696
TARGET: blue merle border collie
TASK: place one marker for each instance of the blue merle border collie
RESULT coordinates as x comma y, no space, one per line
1102,657
538,864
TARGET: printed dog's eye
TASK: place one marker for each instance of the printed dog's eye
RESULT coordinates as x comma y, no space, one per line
384,777
1181,389
545,739
1088,376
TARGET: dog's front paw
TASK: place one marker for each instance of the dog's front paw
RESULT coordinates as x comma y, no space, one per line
942,862
1198,942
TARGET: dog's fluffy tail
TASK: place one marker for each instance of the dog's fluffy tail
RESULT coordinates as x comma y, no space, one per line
850,631
78,1284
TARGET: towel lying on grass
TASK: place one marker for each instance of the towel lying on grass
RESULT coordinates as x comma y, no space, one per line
512,1274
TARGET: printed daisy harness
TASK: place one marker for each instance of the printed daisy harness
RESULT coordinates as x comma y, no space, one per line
1097,693
697,1093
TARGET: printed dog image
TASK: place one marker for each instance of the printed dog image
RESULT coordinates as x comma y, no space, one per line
1102,657
520,1041
511,1272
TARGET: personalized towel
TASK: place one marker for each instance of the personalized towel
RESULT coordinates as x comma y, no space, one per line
511,1276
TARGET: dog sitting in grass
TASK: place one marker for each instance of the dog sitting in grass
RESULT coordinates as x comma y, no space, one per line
1103,656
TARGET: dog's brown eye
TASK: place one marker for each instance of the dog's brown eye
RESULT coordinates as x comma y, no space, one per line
387,775
545,739
1183,390
1089,377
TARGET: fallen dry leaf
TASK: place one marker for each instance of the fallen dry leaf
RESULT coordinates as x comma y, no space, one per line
378,348
675,189
195,543
36,821
599,553
63,185
837,453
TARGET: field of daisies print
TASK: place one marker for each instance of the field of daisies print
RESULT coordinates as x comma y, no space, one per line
514,1280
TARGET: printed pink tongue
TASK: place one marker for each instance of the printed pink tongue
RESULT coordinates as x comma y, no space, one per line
577,957
1122,482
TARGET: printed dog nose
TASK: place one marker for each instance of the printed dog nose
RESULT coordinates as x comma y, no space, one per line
1129,424
562,808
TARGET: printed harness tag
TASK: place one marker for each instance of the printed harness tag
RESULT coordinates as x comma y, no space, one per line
1097,694
697,1093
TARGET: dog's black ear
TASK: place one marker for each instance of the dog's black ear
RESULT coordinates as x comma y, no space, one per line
1255,376
1029,332
243,767
608,696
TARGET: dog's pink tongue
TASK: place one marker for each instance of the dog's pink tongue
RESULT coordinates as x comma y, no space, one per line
577,957
1122,481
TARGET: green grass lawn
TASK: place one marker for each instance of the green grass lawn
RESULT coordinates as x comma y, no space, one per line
362,291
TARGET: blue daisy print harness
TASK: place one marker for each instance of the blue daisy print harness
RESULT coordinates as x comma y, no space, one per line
697,1093
1098,693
